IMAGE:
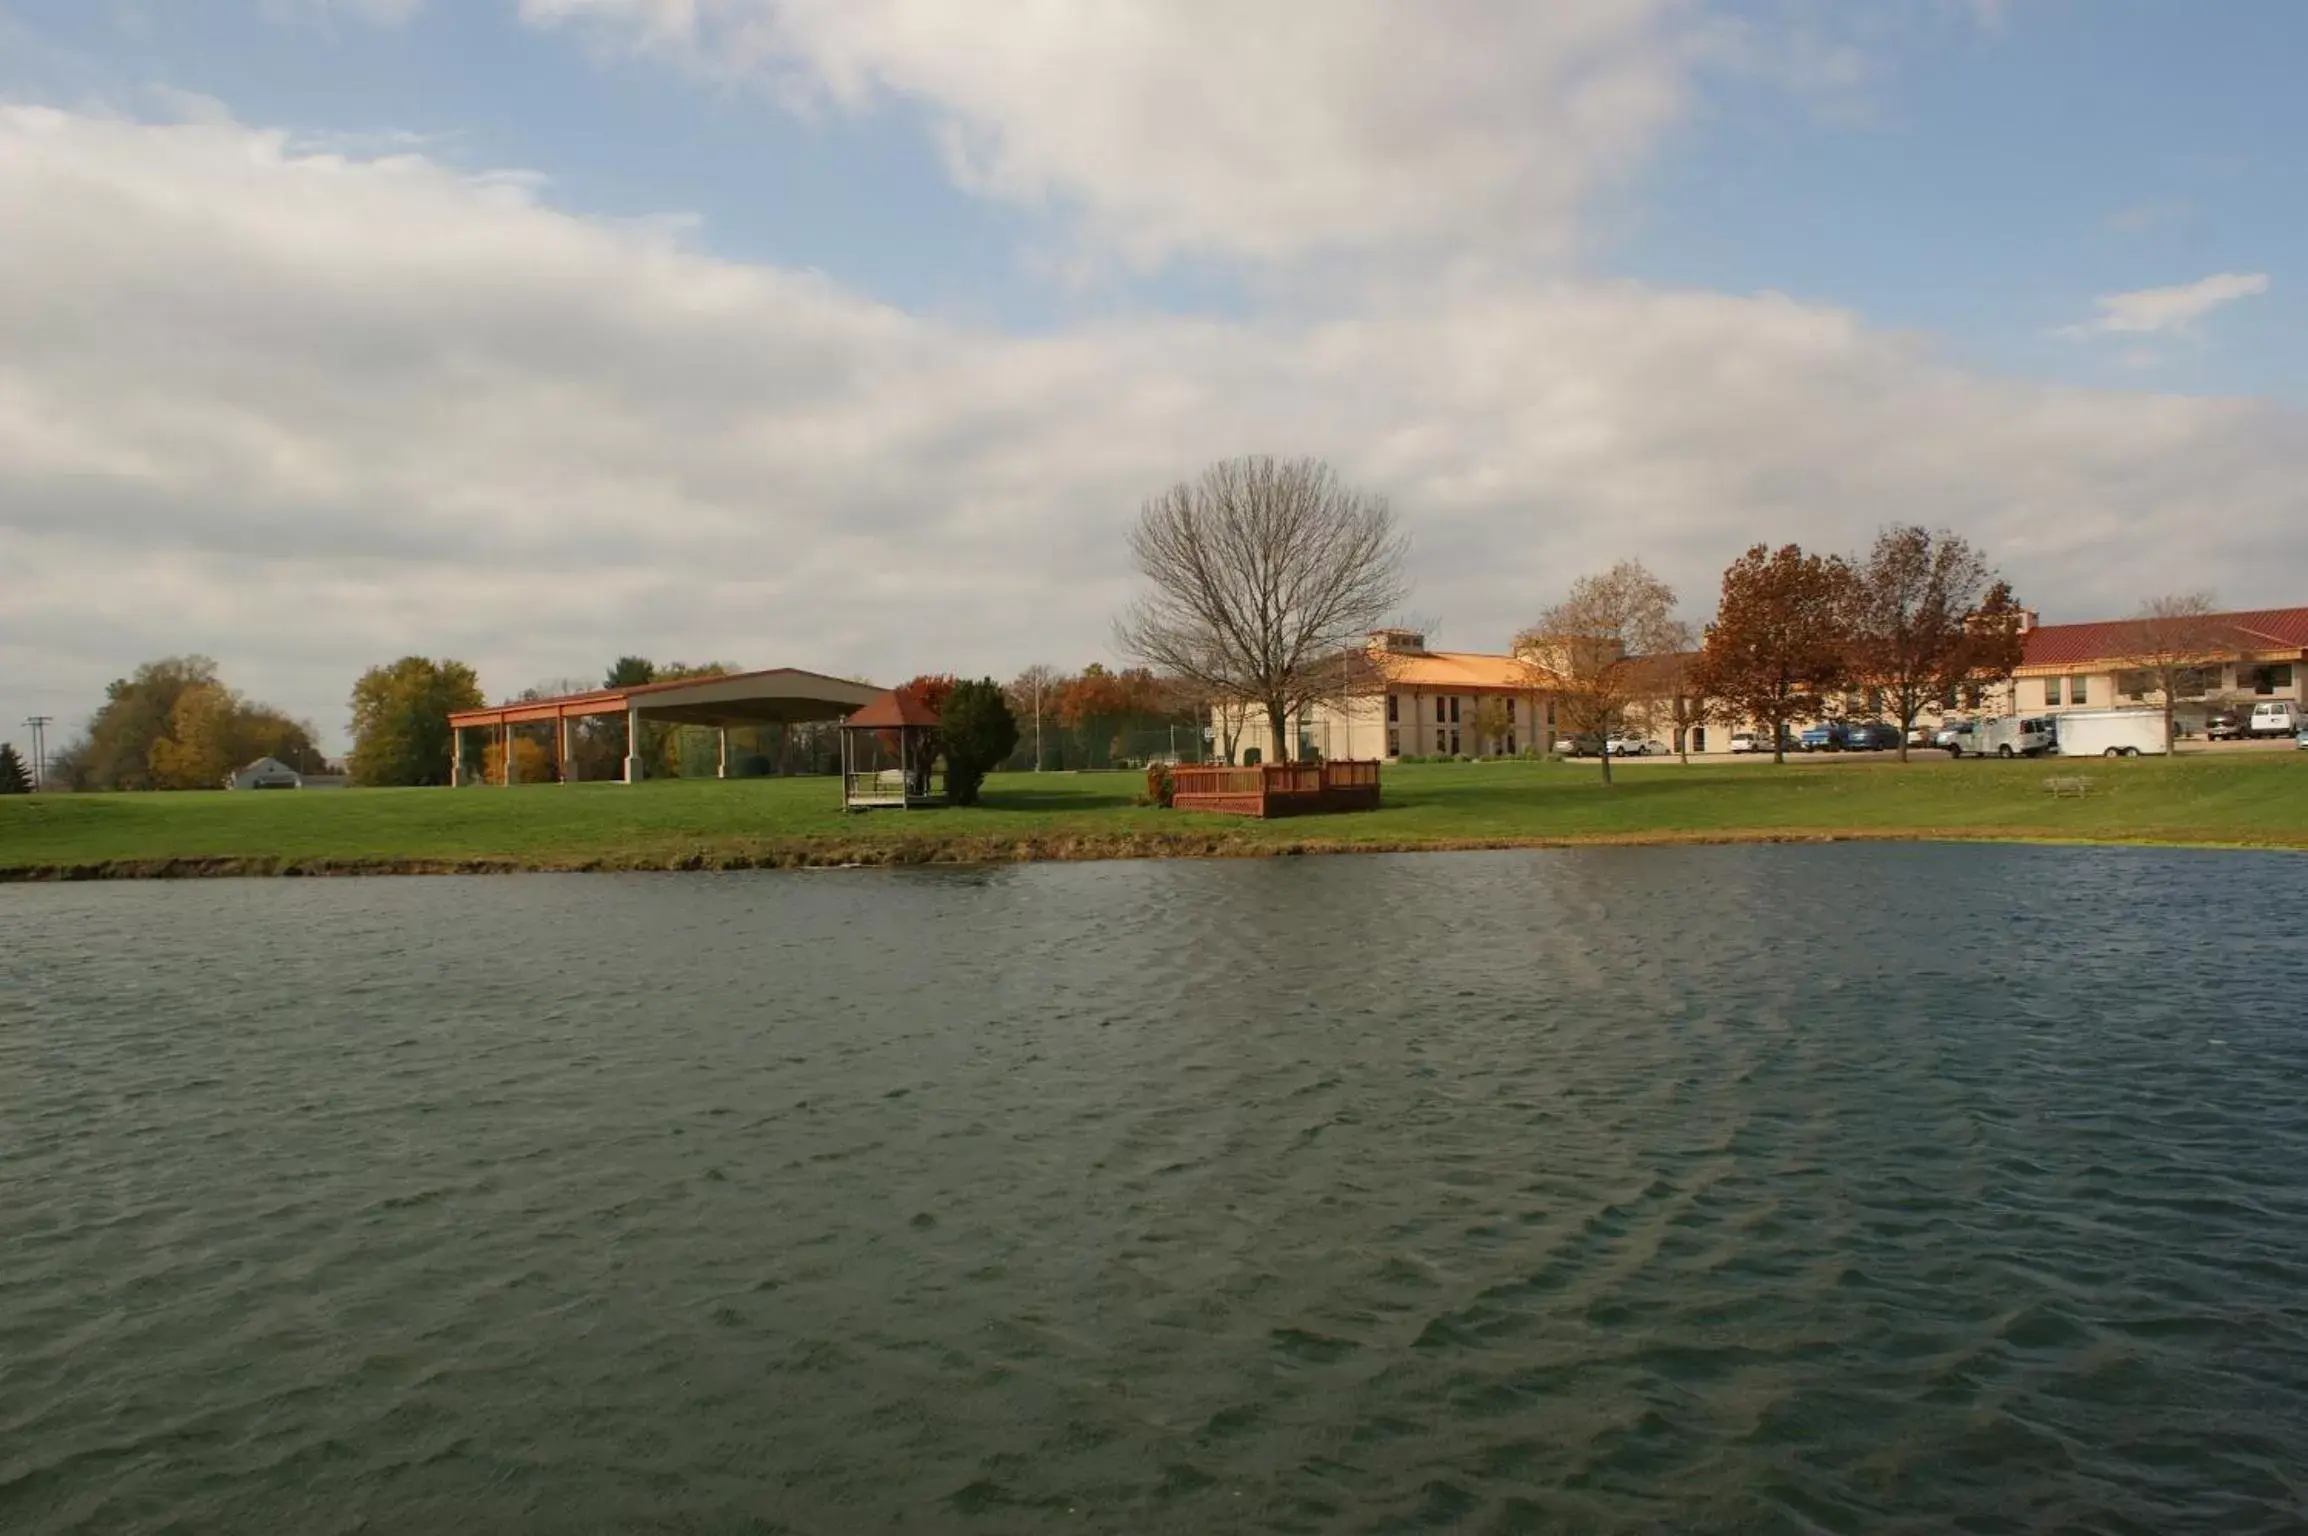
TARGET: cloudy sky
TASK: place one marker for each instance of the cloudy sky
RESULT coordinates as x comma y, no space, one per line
851,333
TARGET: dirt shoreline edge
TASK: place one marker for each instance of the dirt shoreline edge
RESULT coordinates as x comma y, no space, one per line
917,852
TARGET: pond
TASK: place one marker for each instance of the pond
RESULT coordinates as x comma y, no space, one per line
1845,1189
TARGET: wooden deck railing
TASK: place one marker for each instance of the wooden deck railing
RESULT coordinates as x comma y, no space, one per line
1276,789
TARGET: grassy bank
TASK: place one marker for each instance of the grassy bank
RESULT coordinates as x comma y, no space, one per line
2242,800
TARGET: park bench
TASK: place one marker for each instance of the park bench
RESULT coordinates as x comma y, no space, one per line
2062,788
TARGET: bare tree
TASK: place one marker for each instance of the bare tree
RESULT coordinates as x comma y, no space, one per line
1928,615
1592,649
1491,724
2170,641
1263,576
1670,697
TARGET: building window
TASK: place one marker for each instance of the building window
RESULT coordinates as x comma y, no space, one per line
1393,708
1394,743
1442,710
1510,711
2271,679
1454,709
1454,742
2195,682
1698,738
2079,690
2051,693
1550,714
1510,743
2131,685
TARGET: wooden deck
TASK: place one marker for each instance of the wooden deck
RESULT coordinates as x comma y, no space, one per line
1276,789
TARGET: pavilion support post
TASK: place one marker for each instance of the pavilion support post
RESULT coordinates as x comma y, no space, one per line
568,766
633,744
505,735
456,757
722,772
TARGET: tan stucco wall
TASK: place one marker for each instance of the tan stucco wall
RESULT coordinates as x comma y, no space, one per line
1358,728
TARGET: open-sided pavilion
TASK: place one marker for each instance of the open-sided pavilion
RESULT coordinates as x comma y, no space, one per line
779,696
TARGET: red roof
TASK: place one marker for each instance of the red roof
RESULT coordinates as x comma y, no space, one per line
2261,629
892,710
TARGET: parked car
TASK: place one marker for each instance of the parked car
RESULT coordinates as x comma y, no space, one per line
1579,746
1748,741
1632,746
1954,739
2225,724
1833,736
1871,738
2274,717
2301,740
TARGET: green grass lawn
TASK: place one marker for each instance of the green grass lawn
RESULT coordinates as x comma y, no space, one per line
2242,799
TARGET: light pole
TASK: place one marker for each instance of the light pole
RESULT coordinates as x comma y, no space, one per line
39,725
1037,720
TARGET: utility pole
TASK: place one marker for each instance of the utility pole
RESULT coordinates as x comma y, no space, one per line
39,725
1037,720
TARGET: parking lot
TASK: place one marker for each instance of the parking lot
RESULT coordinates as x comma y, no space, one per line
2188,747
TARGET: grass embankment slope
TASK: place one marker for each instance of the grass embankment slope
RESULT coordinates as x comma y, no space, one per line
2238,800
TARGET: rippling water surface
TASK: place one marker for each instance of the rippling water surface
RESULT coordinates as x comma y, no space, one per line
1729,1189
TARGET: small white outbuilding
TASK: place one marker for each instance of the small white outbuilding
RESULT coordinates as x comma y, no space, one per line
266,773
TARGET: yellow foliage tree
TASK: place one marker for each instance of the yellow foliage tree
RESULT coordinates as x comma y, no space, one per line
531,762
199,751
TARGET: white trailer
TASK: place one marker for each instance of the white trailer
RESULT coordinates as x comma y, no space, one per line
2011,736
2113,733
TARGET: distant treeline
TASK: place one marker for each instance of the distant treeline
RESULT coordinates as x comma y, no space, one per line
174,724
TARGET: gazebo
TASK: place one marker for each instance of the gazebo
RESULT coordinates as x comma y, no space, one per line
887,751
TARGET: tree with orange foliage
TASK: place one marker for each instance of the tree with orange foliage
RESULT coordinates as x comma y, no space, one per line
930,690
1780,645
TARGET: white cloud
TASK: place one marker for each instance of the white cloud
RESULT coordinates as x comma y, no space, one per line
2147,311
308,411
1269,132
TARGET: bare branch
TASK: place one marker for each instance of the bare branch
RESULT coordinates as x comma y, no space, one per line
1262,576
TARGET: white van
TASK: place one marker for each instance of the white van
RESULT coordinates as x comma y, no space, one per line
2274,718
2011,736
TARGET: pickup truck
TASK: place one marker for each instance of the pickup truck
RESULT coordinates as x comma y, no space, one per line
1833,736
